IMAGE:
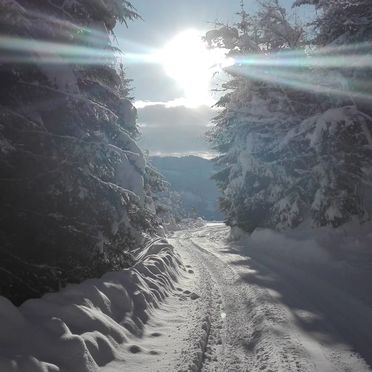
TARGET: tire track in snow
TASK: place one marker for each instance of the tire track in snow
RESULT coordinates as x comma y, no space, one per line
260,333
229,356
207,327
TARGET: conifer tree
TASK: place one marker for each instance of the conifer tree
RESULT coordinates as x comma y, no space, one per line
73,180
294,134
340,135
257,187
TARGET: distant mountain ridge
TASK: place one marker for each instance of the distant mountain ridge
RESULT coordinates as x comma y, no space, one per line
190,176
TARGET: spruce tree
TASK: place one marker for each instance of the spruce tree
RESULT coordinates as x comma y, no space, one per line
73,192
294,133
340,135
257,112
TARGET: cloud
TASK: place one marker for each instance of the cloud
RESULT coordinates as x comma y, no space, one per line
177,102
174,129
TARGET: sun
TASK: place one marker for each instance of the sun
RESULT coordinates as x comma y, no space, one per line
192,65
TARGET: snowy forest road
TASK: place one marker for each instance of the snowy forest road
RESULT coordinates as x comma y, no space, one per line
263,314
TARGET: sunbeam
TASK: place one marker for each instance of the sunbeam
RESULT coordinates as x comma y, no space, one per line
194,67
300,81
316,60
294,69
21,50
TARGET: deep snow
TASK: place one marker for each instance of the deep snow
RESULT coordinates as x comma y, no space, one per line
299,301
83,326
271,302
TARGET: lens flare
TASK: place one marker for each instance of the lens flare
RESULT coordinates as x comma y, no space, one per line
28,51
18,50
298,69
192,65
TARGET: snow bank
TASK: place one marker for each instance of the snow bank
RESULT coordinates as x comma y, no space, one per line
309,245
184,224
282,245
190,223
80,328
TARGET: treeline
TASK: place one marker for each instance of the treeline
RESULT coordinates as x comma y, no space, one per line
295,130
76,193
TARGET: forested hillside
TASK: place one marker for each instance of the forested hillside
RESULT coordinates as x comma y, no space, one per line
75,188
190,177
294,133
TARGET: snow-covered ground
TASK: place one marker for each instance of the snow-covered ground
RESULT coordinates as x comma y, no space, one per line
268,302
287,302
86,326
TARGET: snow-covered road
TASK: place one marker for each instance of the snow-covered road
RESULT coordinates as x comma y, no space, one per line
264,314
264,304
270,302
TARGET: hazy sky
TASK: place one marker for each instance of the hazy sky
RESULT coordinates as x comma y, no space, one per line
169,130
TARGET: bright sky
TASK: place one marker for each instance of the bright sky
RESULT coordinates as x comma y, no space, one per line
178,83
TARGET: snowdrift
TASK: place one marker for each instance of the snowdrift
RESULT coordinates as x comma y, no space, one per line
80,328
349,245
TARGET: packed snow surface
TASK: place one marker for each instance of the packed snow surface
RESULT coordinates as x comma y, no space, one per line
220,300
298,301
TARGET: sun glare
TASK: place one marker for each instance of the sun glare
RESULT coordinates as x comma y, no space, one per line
192,65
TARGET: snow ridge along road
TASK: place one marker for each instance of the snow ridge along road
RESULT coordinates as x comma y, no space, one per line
90,325
263,313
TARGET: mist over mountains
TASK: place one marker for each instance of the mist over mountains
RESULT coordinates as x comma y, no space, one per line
190,176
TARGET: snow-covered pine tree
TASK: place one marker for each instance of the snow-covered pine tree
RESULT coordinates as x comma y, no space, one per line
343,27
341,21
164,202
260,180
72,187
295,138
339,148
340,135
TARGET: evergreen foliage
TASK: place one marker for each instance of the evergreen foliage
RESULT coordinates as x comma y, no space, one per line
288,153
74,183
